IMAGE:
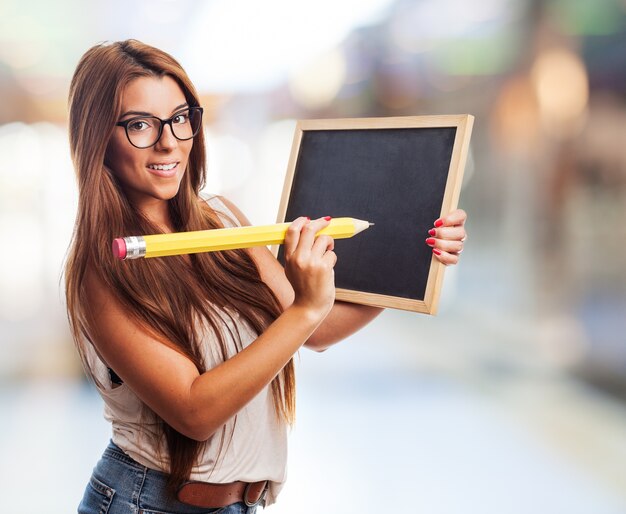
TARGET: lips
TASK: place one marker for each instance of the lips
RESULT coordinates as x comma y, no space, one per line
163,169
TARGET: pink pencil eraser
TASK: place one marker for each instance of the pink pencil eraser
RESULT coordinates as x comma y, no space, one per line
119,248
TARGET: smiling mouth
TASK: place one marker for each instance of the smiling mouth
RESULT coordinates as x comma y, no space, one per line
163,167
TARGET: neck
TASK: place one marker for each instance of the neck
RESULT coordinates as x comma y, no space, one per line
157,211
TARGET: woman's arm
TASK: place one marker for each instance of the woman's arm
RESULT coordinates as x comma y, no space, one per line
197,404
347,318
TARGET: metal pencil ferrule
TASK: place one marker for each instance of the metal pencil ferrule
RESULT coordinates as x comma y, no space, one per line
135,247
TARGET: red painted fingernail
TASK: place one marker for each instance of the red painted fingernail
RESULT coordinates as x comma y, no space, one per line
430,241
432,232
438,223
327,218
436,251
308,219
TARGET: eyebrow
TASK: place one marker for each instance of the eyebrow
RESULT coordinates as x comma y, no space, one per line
142,113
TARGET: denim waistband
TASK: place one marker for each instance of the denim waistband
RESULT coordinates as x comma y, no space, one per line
118,481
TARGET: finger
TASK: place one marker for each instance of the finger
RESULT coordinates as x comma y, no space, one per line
292,237
307,234
330,258
454,218
455,246
449,233
445,257
322,245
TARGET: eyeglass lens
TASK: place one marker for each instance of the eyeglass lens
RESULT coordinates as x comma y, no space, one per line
146,131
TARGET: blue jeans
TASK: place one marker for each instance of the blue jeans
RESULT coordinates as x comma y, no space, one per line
120,485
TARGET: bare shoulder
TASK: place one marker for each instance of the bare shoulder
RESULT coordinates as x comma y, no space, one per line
241,217
108,318
97,293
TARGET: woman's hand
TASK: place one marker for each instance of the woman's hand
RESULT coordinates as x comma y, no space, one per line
448,236
309,263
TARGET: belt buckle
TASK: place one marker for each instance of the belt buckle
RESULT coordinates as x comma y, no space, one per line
261,496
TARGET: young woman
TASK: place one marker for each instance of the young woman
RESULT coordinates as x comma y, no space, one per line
191,354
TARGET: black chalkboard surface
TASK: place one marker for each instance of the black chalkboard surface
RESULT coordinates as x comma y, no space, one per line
399,173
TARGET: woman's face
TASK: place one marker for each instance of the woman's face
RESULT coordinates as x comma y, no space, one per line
151,175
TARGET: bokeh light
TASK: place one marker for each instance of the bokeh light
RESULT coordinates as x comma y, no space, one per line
561,85
316,84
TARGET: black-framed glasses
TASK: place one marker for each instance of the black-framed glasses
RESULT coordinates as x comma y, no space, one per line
145,131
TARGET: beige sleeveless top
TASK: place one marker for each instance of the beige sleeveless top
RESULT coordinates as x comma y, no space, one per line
257,448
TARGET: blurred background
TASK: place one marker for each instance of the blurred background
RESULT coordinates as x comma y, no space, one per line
513,398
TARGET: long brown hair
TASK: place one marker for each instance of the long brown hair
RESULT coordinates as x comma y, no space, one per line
167,296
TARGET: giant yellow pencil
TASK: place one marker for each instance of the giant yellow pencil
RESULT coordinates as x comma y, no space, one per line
161,245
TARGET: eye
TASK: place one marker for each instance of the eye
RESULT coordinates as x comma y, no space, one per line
181,118
140,125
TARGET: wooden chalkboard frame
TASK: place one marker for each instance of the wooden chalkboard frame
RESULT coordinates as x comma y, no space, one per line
463,125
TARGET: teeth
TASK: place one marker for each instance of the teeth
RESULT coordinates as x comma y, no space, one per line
162,167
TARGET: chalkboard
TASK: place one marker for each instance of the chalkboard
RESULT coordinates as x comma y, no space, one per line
401,174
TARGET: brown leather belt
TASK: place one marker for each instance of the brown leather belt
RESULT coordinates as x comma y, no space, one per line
214,496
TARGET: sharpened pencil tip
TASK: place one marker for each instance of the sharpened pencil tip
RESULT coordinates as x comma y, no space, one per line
371,223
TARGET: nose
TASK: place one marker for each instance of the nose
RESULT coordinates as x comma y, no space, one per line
167,141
